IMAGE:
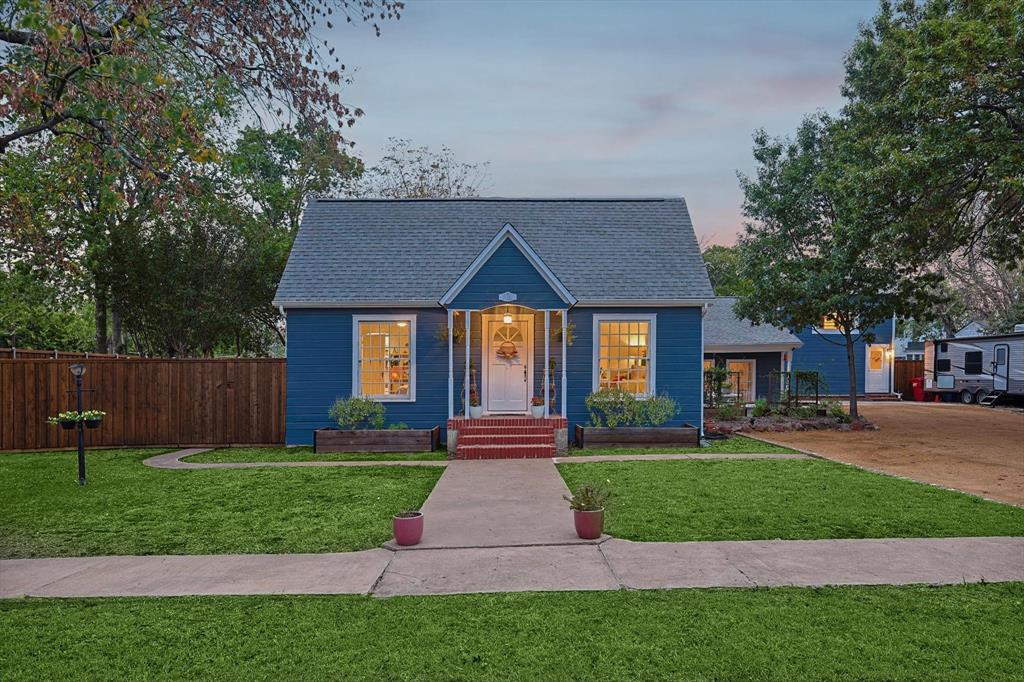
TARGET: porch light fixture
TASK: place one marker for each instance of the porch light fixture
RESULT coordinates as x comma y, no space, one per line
507,318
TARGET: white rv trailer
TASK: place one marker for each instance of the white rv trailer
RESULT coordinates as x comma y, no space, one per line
976,368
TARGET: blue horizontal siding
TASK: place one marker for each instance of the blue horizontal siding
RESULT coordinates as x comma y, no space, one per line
678,360
320,369
507,270
826,353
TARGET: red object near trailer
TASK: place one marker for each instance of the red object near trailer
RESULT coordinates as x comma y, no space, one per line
917,386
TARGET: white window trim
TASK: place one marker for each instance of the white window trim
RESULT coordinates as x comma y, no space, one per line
652,372
753,376
357,383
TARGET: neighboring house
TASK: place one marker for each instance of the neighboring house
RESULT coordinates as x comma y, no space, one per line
824,351
907,349
402,300
751,353
970,330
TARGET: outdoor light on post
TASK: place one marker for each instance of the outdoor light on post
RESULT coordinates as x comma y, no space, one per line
78,370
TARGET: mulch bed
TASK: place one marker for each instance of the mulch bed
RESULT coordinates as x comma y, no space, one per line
779,424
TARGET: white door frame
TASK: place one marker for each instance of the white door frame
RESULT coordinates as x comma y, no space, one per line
996,376
881,374
753,376
485,350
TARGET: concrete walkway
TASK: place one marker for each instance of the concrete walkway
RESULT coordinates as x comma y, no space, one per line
498,503
175,460
611,565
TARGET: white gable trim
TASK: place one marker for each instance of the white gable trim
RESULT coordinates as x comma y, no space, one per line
507,232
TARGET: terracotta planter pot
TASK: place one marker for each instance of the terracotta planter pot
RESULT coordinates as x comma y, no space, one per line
589,524
408,529
537,411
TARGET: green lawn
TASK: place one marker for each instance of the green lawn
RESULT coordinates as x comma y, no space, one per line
789,499
732,444
964,632
306,454
129,508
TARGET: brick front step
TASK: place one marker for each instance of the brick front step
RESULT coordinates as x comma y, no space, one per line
504,451
466,438
504,430
549,422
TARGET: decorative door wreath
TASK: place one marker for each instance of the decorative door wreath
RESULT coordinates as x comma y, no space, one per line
507,351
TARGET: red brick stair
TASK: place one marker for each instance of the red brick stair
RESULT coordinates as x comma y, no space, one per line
505,437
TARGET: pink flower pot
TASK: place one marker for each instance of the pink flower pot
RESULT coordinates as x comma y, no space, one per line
408,529
589,524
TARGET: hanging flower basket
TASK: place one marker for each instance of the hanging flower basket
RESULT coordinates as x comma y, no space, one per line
93,418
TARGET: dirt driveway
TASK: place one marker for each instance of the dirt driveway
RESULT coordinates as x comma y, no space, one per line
975,449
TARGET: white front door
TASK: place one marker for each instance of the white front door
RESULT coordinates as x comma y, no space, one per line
507,351
876,369
1001,367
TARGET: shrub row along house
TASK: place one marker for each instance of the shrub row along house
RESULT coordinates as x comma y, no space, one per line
442,309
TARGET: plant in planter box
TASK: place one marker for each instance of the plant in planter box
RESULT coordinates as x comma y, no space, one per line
67,420
588,503
537,407
615,407
408,527
92,418
355,413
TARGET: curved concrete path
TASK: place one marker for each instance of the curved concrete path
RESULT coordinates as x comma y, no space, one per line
175,460
611,565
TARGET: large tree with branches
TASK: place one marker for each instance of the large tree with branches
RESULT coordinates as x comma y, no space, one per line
122,76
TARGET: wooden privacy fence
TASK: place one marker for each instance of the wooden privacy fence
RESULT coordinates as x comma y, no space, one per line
905,371
147,401
35,354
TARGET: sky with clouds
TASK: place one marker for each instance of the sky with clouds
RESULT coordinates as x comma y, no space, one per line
579,98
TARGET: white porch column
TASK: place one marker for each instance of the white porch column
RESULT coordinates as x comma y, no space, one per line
547,362
565,342
451,367
467,339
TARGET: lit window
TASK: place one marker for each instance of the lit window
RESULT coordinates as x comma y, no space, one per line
385,357
828,322
624,354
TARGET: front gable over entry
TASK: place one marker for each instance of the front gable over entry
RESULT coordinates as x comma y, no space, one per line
508,264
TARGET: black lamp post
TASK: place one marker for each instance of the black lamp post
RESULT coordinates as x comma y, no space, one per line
78,370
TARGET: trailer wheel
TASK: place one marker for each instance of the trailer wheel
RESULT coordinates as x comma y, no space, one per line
966,397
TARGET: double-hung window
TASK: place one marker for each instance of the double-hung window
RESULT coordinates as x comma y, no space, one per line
624,353
384,357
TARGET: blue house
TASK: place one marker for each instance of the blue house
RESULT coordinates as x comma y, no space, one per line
433,306
824,351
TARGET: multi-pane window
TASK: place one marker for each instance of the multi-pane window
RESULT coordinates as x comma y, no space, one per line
972,362
828,323
385,356
624,354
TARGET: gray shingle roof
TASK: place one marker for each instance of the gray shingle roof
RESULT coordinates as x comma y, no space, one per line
354,251
722,328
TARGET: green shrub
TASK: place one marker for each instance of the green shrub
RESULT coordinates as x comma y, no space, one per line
354,412
761,408
398,426
588,497
730,412
614,407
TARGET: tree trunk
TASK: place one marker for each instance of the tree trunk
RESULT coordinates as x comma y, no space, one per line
115,331
851,365
100,299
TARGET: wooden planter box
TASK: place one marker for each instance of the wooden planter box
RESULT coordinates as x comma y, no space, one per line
637,436
374,440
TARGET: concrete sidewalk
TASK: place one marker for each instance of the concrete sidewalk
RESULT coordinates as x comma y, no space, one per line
498,503
611,565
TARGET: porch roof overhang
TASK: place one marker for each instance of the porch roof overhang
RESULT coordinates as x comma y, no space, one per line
751,348
508,233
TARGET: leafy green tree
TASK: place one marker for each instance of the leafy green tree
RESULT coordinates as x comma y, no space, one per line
725,268
35,314
935,109
807,250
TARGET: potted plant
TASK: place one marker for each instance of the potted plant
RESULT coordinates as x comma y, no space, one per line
537,407
92,418
587,504
475,408
408,527
67,420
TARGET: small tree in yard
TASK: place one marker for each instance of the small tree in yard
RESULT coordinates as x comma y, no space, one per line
808,253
